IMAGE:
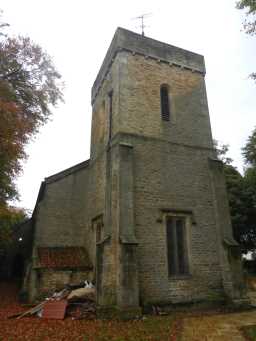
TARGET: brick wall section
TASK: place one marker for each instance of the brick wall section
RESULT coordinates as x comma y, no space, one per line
140,101
106,195
51,280
178,178
64,218
100,111
61,214
69,204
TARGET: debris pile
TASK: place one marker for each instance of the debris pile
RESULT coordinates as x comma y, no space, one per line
76,301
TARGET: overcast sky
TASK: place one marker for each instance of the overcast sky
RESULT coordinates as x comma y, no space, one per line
77,34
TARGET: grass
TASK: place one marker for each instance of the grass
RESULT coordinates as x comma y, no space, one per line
249,332
151,328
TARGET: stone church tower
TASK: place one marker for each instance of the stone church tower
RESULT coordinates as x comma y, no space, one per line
166,219
150,206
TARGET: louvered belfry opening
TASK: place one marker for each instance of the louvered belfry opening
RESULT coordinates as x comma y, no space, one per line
165,103
177,246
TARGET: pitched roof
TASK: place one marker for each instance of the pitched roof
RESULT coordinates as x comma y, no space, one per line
63,257
58,176
68,171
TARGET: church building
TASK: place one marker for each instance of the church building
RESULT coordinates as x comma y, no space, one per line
147,216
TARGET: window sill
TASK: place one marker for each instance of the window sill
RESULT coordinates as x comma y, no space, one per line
179,277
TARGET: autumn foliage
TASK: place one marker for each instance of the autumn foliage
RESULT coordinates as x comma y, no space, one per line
29,87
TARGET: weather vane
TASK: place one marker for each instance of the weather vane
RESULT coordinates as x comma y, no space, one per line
142,25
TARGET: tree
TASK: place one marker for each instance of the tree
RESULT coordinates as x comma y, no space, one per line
29,87
249,150
9,218
235,191
221,151
249,187
250,7
249,154
241,192
250,21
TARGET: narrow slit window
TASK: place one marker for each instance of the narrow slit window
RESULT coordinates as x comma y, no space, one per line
98,232
177,252
165,103
98,225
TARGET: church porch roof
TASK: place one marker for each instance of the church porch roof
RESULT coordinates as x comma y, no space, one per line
63,258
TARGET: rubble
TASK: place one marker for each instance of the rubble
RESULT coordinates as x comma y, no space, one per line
76,301
54,309
82,294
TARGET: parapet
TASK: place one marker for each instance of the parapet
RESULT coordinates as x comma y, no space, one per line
125,40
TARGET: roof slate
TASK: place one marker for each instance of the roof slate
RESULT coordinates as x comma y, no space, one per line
63,257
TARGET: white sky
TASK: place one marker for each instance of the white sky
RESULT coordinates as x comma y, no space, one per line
77,34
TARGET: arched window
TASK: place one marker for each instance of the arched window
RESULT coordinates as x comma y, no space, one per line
165,103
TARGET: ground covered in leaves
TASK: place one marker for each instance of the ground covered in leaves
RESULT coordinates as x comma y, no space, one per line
151,328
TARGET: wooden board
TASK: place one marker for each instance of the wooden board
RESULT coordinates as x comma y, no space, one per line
55,310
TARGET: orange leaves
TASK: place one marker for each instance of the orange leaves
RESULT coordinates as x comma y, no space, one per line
10,107
151,328
29,86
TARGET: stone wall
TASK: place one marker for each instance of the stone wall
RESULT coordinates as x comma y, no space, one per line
63,215
60,216
141,170
140,102
171,170
50,280
172,178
